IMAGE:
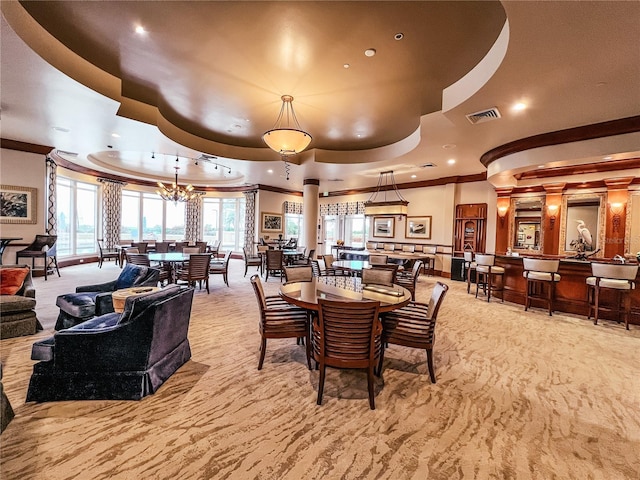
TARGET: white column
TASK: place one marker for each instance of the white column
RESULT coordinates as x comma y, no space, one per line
310,192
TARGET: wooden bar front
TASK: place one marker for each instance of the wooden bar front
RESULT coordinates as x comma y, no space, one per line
571,291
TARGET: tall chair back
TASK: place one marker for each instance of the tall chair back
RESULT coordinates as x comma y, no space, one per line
347,335
301,273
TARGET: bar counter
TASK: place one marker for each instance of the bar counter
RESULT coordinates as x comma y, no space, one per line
571,290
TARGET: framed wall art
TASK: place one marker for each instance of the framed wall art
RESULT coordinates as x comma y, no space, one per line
271,222
383,227
18,204
418,227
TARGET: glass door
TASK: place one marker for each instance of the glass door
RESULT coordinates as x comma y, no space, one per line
330,229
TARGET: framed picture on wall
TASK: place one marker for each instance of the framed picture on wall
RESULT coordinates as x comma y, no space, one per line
383,227
271,222
18,204
418,227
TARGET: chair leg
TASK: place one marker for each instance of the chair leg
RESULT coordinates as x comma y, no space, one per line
246,267
372,401
308,349
55,261
432,373
490,286
596,303
627,309
263,349
224,276
552,292
381,360
323,368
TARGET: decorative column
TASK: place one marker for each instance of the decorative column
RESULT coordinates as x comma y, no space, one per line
310,190
503,220
552,218
52,173
249,219
111,211
617,198
193,219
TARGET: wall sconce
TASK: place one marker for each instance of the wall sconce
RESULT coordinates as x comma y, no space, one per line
503,207
616,210
552,210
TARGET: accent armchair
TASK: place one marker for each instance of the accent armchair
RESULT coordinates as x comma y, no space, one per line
93,300
44,246
117,356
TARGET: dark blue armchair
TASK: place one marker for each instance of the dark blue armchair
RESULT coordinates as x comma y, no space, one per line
92,300
117,356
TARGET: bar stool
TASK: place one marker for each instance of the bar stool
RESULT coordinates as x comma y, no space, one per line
469,265
539,273
486,273
619,278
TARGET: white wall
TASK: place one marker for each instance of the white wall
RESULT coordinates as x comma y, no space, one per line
23,169
271,202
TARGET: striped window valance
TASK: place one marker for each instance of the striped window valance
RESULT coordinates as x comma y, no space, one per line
293,207
346,208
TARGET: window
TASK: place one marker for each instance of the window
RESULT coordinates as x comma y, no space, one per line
293,227
77,214
130,217
175,224
350,228
152,215
223,219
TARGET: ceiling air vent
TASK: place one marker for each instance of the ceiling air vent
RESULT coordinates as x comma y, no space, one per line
483,115
427,165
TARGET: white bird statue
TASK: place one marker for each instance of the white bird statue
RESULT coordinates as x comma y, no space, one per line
584,233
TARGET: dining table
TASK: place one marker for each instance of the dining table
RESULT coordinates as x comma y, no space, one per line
4,241
169,259
353,266
343,289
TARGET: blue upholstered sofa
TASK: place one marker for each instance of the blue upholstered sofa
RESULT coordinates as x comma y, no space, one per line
91,300
116,356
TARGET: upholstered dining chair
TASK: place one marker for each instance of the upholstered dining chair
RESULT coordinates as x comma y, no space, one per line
274,264
143,259
347,335
378,276
196,271
251,261
221,267
278,319
301,273
541,274
614,278
489,276
141,246
162,247
469,266
378,259
44,247
106,254
414,326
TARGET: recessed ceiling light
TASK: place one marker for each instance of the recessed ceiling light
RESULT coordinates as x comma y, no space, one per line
518,107
448,146
540,166
608,157
451,161
115,135
414,176
140,30
269,171
61,129
370,52
346,65
399,36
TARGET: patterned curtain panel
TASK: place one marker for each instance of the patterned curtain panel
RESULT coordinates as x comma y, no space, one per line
52,174
193,219
111,211
250,219
347,208
293,207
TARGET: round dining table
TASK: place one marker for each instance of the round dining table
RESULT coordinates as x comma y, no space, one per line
169,259
343,289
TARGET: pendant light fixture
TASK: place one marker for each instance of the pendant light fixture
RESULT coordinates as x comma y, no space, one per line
378,204
287,137
177,193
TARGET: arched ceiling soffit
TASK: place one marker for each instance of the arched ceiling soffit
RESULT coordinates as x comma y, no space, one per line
210,75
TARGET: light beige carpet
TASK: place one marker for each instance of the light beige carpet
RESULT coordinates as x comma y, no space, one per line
519,395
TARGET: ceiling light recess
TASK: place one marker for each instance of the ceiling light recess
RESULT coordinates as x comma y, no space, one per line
286,137
396,205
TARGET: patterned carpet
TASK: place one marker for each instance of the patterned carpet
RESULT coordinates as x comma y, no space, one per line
520,395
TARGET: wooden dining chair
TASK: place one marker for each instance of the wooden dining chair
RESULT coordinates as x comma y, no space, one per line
196,271
279,319
106,254
409,279
414,326
221,267
251,261
347,335
274,265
